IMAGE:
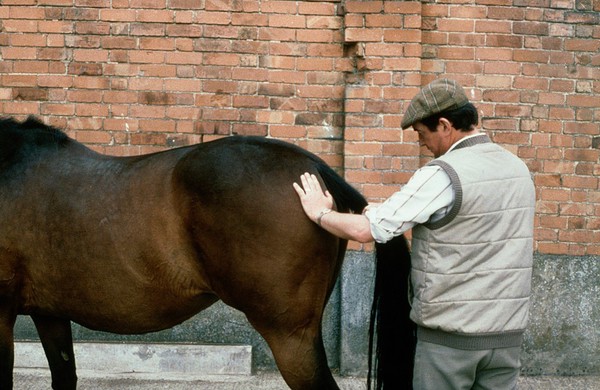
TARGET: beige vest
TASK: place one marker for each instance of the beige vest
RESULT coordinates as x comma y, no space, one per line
471,271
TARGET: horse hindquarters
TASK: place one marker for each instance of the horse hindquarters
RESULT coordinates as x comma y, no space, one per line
280,275
284,299
261,253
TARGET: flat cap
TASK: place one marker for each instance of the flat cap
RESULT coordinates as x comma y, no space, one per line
437,96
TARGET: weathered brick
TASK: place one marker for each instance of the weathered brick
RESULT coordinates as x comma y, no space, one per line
147,29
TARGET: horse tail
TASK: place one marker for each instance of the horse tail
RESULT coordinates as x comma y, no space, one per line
346,197
390,322
390,325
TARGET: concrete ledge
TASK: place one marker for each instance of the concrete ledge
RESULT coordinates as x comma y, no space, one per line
147,358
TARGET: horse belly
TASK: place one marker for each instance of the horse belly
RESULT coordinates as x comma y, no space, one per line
105,290
125,308
140,317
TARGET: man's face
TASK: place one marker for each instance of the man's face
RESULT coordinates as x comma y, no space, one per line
432,140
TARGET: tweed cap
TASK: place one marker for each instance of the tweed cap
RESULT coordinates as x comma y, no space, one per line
439,95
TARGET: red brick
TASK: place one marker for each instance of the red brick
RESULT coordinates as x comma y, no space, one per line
58,109
251,101
383,20
36,67
310,8
93,137
400,35
582,155
178,30
150,29
222,18
456,53
363,35
228,59
283,7
95,110
504,41
402,7
583,101
364,7
531,56
465,26
185,58
155,16
117,15
287,21
146,56
326,36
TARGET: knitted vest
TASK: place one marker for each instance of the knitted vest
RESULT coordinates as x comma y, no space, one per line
471,270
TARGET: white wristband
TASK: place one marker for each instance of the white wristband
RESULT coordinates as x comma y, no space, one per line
322,214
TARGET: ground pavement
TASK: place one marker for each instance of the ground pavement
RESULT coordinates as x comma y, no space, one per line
39,379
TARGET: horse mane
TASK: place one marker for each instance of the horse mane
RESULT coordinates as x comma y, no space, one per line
20,139
32,130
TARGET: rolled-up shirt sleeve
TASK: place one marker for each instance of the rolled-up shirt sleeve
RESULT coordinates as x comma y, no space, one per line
427,197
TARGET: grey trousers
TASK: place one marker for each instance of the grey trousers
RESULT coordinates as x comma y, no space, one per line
438,367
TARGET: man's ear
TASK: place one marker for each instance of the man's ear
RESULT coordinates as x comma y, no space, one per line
446,125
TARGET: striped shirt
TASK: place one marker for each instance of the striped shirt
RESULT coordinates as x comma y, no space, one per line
427,197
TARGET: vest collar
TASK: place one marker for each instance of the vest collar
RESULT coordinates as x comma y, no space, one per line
470,141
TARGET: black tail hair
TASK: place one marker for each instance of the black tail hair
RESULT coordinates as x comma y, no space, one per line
391,328
391,325
346,197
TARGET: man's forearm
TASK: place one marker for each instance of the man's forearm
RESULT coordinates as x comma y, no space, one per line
354,227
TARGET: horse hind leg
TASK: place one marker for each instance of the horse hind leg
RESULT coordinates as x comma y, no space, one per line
300,356
292,329
55,335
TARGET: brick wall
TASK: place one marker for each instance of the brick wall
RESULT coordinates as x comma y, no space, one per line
135,76
534,69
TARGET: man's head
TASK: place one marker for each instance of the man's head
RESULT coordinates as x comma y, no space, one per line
442,114
438,96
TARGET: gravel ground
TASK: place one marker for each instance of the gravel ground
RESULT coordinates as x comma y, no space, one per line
39,379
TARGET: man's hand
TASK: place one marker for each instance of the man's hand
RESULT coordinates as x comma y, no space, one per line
314,200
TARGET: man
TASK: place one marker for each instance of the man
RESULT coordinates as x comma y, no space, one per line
471,212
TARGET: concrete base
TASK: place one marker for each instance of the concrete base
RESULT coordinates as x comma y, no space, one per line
147,358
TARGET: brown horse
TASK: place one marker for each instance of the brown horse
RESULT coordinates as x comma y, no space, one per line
139,244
